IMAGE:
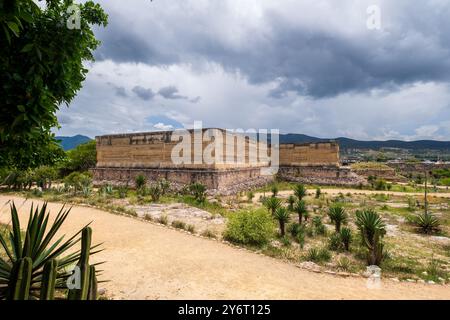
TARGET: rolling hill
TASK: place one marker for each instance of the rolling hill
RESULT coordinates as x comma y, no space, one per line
69,143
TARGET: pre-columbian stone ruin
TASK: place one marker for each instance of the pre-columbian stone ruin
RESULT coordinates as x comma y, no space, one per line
121,157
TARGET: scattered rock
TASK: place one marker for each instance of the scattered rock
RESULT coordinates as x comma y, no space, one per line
308,265
431,282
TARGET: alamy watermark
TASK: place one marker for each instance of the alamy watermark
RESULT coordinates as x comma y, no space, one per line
225,147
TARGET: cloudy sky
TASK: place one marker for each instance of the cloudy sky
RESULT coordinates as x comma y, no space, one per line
302,66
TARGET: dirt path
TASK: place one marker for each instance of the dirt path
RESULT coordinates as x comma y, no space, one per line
145,261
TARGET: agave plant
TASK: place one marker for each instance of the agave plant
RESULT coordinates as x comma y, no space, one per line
301,210
300,191
155,192
198,190
37,249
282,215
426,222
372,230
338,216
272,204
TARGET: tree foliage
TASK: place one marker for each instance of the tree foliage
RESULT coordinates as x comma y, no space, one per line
41,68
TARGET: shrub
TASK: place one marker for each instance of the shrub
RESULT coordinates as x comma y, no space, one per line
250,227
318,255
122,191
178,224
338,216
319,227
190,228
79,181
344,264
198,190
426,223
282,216
155,192
380,184
318,193
165,186
44,176
140,181
294,229
286,241
334,242
148,217
250,196
209,234
163,219
301,238
372,229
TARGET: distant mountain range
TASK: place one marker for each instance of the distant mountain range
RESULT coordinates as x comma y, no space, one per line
346,143
69,143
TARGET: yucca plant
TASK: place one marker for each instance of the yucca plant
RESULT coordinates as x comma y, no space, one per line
338,216
274,190
372,229
282,215
36,254
272,204
300,191
301,210
346,237
291,201
426,223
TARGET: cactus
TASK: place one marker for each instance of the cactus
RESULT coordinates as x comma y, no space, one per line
84,268
92,295
22,279
48,282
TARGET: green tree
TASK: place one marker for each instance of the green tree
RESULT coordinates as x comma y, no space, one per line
82,158
41,68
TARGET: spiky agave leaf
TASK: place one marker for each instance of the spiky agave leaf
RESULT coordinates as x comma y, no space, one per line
40,245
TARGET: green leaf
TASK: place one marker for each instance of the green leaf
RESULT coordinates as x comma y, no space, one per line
27,48
13,27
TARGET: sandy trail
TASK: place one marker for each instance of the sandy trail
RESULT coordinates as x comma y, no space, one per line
146,261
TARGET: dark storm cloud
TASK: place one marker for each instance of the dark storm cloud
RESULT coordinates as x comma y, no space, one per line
143,93
171,92
316,61
121,92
